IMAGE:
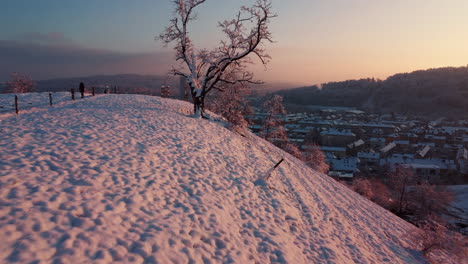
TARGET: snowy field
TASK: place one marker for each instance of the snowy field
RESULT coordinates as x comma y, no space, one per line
135,179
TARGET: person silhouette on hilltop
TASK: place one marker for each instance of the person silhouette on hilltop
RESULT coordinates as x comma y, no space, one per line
82,88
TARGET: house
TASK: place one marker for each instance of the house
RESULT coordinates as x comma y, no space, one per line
341,176
426,172
392,137
411,137
256,128
376,143
383,127
335,137
368,161
429,169
450,150
336,151
388,148
423,152
402,145
356,144
438,140
299,132
347,165
462,160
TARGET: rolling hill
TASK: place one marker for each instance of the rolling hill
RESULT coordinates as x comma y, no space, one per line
135,179
441,92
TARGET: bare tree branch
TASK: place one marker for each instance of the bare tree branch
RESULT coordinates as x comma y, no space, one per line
244,36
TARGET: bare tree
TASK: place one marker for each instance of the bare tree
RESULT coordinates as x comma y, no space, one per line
399,182
292,149
363,186
231,104
427,199
316,159
273,129
434,237
374,190
20,83
382,195
206,69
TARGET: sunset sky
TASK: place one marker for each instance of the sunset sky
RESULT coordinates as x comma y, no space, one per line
316,41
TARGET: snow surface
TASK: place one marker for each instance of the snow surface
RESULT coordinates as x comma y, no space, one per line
135,179
458,212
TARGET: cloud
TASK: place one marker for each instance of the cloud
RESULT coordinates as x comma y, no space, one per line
45,38
55,58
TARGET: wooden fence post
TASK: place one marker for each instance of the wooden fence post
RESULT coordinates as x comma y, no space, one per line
73,93
16,104
267,176
50,99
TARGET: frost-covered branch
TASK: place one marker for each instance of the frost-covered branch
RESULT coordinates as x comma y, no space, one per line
20,83
244,36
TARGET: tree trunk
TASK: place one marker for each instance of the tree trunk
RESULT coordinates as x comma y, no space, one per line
199,105
400,202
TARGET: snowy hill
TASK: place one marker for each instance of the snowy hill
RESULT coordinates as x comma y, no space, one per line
135,179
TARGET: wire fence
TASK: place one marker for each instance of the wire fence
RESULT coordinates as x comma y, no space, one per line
15,103
11,103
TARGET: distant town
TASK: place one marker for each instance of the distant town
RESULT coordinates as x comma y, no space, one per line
357,143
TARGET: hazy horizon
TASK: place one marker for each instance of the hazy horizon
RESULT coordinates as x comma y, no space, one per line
276,85
315,42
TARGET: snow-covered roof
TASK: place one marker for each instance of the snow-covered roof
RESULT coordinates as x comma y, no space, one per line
340,174
453,146
356,144
377,125
400,159
316,122
423,144
424,151
332,149
435,122
301,130
336,132
292,126
356,112
452,130
401,142
421,166
297,140
435,137
255,127
388,147
392,122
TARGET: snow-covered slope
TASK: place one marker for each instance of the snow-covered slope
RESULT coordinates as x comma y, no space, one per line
135,179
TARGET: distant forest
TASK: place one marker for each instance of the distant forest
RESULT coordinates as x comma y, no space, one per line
441,92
